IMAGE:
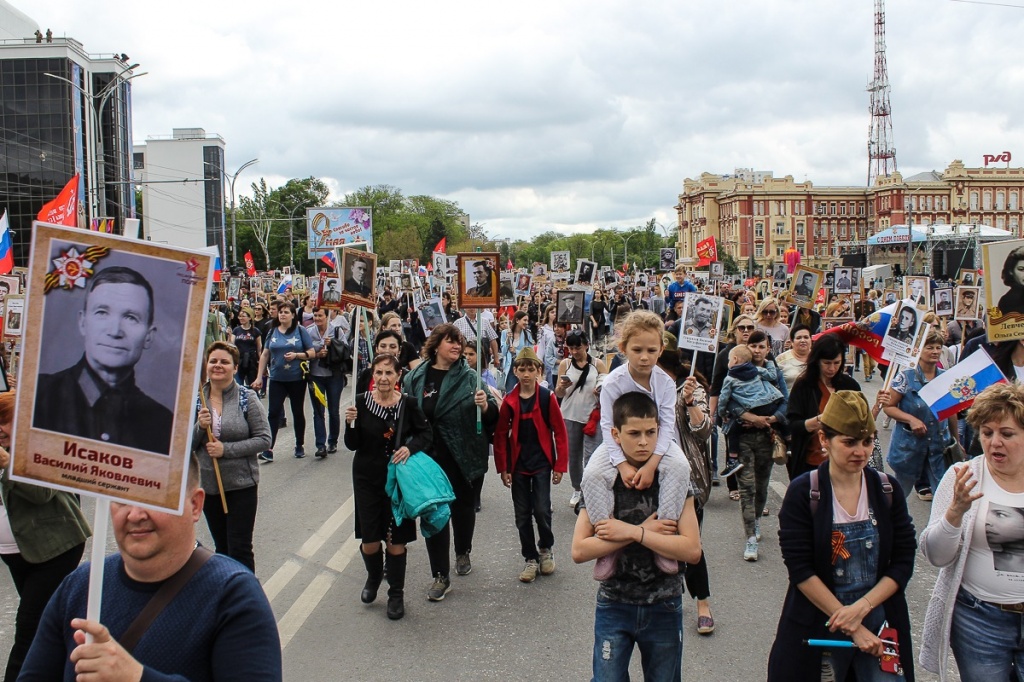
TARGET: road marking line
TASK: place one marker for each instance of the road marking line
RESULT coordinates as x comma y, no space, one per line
329,527
779,488
280,579
303,607
344,555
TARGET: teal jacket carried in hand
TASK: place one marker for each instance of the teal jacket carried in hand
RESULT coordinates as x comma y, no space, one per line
418,488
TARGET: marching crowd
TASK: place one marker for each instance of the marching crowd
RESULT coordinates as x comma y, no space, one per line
635,422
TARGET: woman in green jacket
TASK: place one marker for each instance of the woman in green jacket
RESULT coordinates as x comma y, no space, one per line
42,538
447,391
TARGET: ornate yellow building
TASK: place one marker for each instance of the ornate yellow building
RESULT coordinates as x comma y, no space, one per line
755,215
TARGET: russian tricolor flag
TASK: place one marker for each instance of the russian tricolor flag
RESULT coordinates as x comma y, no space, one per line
286,282
6,247
868,333
956,388
330,260
216,269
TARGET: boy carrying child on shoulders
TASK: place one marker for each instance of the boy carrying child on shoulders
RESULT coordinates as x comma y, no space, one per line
531,451
638,591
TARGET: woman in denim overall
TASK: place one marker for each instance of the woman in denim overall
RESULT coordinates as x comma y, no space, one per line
848,543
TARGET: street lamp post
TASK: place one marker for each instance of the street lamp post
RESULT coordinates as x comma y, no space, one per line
234,233
625,249
98,177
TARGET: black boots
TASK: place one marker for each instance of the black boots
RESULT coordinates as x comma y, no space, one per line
374,575
396,585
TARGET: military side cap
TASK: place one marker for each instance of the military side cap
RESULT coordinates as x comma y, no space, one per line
670,341
527,355
847,412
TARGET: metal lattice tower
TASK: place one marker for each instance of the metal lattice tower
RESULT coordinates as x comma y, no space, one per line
881,152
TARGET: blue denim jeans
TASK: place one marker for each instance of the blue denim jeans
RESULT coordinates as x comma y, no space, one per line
332,387
986,641
657,629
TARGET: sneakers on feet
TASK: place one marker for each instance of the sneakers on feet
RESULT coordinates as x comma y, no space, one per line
299,452
757,530
320,453
925,494
529,573
463,566
750,552
714,480
266,456
731,467
442,586
332,448
547,562
575,499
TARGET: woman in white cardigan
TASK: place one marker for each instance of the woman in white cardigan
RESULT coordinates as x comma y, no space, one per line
976,536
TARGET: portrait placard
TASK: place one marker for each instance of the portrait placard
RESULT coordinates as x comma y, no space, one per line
890,296
269,285
254,285
969,278
803,288
128,313
968,303
1003,264
478,280
944,302
358,285
559,261
842,281
395,265
764,289
9,285
918,289
667,260
234,286
716,270
431,314
298,282
832,322
586,271
523,284
728,312
14,315
327,228
700,328
506,291
569,306
899,337
779,274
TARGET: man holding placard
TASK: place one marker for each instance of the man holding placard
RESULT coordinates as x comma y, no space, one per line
217,621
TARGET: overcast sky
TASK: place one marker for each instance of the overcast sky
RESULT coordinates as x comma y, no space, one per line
566,115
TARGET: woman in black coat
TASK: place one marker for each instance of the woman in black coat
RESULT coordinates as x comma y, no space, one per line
825,374
849,555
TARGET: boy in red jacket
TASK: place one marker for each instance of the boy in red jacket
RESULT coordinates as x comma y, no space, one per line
530,441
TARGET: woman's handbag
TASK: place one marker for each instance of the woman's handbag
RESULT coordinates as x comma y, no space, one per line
779,449
590,428
953,453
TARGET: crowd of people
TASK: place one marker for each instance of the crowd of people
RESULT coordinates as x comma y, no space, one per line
635,422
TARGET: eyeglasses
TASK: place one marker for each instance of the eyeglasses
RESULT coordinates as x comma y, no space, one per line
746,328
576,337
771,313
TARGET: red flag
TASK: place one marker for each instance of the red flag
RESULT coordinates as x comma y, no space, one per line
508,265
441,245
64,209
250,264
707,251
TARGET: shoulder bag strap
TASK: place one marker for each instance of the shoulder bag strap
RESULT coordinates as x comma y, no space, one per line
163,596
815,493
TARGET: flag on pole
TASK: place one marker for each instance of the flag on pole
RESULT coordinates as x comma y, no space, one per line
707,251
868,333
250,264
956,388
441,245
508,265
6,248
63,210
286,282
216,269
330,260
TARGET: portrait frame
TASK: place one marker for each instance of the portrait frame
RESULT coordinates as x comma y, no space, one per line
839,284
716,270
166,373
560,261
14,315
467,287
890,296
524,284
667,259
728,313
1000,261
234,286
506,289
14,287
969,278
350,293
970,312
586,272
395,265
431,314
779,273
254,286
562,314
764,289
269,285
943,302
693,337
298,282
799,285
894,339
921,283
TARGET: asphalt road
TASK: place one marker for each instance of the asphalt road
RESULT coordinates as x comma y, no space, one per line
491,626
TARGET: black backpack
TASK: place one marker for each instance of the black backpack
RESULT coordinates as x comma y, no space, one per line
339,354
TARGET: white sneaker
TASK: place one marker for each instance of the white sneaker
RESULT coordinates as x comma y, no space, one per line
750,551
575,499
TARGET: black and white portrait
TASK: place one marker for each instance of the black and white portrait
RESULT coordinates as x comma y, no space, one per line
358,285
585,271
780,273
842,281
943,302
540,270
14,314
918,289
431,314
523,283
903,326
667,260
967,303
1004,532
559,261
569,306
717,270
234,286
805,284
506,290
331,293
701,316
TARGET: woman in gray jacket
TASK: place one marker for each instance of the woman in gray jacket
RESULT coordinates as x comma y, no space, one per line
235,417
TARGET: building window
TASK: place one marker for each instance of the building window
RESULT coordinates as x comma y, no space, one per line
945,204
759,251
139,161
832,208
759,230
1000,200
1013,200
1001,222
842,208
986,201
780,228
974,201
779,249
842,231
1014,224
800,229
930,204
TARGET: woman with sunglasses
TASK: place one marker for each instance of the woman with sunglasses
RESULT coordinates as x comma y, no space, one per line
577,389
768,322
742,327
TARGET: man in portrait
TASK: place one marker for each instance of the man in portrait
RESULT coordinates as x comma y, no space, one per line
805,287
780,273
331,293
698,319
967,307
943,302
483,276
586,273
357,283
97,397
569,313
843,281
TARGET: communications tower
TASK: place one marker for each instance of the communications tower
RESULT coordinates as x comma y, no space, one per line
881,152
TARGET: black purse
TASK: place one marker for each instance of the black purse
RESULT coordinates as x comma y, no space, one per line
953,454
